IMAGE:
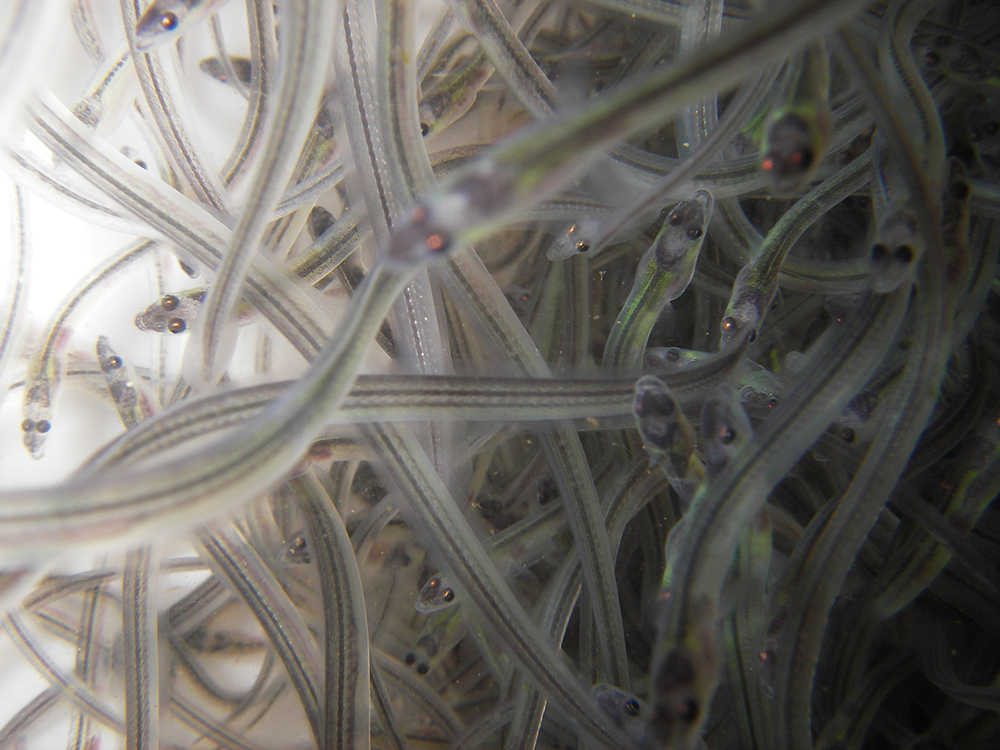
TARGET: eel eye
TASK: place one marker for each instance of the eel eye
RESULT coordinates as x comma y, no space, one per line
880,252
437,242
168,21
688,710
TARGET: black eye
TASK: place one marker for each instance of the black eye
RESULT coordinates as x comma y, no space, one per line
631,707
675,219
847,435
582,247
694,233
424,128
726,435
904,254
112,363
43,426
753,336
423,669
880,252
672,355
729,324
28,425
676,671
803,158
169,302
168,21
448,595
176,325
688,710
409,660
141,164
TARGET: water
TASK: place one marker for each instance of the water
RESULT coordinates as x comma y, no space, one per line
224,546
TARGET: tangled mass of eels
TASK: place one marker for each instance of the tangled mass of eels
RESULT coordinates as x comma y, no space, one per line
599,374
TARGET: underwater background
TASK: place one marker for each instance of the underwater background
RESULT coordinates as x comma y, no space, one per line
493,374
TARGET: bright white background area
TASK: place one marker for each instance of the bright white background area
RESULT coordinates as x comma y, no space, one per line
63,249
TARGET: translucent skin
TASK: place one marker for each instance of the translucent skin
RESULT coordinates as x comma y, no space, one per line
897,247
165,20
793,146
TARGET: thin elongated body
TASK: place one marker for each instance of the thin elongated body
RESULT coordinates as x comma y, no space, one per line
131,400
687,655
798,131
486,589
594,238
757,283
45,373
476,201
665,270
554,552
686,671
668,436
110,94
255,458
202,236
307,44
165,20
346,706
15,284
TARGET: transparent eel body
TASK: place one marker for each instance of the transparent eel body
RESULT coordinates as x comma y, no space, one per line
681,429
